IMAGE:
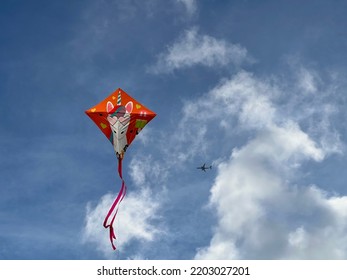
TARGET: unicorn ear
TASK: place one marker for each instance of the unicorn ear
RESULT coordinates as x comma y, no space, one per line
129,107
109,107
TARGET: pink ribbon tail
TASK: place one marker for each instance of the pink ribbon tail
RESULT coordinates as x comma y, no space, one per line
112,212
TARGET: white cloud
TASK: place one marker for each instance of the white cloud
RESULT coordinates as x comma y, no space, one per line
246,103
298,238
311,103
262,212
248,98
194,49
190,5
139,217
308,80
134,221
144,170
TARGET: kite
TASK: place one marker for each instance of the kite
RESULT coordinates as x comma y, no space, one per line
120,118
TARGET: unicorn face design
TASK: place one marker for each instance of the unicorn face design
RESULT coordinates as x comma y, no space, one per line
119,119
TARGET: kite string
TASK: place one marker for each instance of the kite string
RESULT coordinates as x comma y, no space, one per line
112,213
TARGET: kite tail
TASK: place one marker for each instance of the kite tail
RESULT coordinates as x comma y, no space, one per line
112,213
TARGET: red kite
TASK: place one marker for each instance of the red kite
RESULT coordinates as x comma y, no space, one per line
120,117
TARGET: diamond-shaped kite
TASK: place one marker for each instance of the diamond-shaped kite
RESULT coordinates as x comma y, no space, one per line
120,117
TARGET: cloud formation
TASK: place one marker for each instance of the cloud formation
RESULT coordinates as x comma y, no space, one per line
262,210
190,5
194,49
134,221
138,218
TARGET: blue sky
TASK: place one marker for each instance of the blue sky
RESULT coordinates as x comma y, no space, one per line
256,88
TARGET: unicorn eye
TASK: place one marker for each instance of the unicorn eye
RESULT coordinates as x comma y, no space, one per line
114,131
